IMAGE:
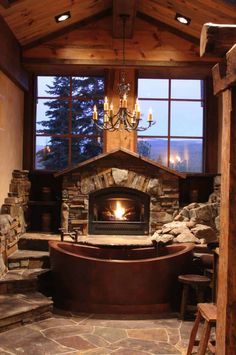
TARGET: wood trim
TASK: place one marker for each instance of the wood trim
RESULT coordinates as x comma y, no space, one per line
169,28
10,58
67,29
28,134
211,129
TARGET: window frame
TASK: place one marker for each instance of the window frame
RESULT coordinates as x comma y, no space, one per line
70,99
169,100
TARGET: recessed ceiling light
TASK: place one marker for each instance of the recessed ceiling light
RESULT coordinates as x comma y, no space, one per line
62,17
183,19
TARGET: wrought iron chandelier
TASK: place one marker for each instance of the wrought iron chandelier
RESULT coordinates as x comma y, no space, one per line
123,119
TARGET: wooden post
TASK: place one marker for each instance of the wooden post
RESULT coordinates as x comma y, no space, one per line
224,79
226,299
120,139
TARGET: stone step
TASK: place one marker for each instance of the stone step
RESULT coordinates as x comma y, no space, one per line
30,259
25,280
23,308
38,241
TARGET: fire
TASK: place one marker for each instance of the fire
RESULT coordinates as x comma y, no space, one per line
119,212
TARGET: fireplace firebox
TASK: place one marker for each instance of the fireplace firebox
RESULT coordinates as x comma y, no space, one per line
119,211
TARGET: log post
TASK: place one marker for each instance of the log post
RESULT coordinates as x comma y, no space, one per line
219,41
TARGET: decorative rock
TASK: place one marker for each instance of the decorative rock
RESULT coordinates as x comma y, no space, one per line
203,214
5,221
164,217
217,223
193,205
185,212
203,231
3,268
154,187
191,223
179,230
179,218
87,186
120,176
165,230
214,197
217,181
175,224
187,237
162,238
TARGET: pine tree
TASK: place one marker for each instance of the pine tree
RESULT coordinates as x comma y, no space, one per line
71,98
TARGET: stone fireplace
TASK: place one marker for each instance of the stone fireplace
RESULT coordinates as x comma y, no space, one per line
118,193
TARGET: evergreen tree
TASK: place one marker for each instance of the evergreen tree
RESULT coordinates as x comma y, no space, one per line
144,148
70,113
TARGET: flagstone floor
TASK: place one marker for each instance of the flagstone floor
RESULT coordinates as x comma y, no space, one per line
67,333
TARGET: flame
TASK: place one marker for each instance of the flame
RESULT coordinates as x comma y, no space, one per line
119,212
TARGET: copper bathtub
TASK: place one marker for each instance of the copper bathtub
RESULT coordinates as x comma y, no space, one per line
116,280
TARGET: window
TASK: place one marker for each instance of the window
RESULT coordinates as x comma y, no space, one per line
176,140
65,134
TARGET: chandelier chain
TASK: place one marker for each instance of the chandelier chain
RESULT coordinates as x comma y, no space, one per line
123,119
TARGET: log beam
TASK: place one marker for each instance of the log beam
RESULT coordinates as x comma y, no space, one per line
224,74
217,39
124,7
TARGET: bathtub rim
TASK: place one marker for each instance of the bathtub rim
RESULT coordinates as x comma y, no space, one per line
53,244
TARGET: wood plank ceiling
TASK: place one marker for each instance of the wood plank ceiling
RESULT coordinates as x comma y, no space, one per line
33,21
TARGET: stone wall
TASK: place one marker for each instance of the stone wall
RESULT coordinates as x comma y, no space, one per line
163,191
13,211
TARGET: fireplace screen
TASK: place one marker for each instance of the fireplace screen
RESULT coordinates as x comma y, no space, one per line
119,211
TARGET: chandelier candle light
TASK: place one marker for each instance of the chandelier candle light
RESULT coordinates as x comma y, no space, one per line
123,118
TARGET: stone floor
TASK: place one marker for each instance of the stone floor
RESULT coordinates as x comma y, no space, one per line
67,333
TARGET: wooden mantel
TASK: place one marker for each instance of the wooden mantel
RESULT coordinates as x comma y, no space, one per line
224,79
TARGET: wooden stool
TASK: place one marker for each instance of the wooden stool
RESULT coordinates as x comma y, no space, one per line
199,282
206,311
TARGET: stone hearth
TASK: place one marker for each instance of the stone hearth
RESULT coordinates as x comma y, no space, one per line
124,169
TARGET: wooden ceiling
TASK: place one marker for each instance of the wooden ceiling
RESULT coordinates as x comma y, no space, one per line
32,22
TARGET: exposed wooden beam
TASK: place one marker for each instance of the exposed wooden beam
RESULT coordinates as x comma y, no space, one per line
10,58
124,7
166,27
67,29
33,64
217,39
224,74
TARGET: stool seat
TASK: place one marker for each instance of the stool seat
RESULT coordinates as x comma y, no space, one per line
191,279
199,282
208,311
